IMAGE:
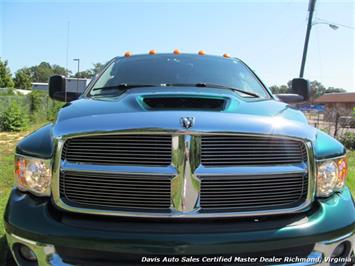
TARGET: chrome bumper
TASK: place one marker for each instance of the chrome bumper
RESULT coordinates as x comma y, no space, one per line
47,255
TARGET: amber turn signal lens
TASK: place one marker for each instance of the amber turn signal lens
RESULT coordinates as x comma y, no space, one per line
152,52
127,54
177,51
342,172
226,55
201,52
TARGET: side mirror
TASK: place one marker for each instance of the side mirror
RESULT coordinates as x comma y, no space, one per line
301,87
301,92
57,89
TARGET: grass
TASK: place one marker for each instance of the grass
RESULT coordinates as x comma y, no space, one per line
351,176
8,141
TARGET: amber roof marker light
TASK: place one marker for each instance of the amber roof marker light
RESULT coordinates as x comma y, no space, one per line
201,52
127,54
176,51
226,55
152,51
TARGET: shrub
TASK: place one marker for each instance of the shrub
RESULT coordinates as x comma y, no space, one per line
53,109
38,106
14,119
7,92
36,101
348,139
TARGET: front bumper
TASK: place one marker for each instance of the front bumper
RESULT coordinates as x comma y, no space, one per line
38,225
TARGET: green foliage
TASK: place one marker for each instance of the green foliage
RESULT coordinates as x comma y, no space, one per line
14,118
317,89
23,79
53,110
348,139
279,89
97,68
7,92
87,74
37,100
5,75
44,70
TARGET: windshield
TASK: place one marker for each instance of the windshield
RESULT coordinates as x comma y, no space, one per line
160,70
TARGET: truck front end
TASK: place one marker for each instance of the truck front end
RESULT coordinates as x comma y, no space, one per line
179,158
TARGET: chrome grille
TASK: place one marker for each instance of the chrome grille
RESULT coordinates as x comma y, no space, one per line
252,193
159,175
250,150
115,191
119,150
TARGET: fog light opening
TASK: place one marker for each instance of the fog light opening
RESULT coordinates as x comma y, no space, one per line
341,251
27,253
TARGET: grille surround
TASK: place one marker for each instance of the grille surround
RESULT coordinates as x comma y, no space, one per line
307,168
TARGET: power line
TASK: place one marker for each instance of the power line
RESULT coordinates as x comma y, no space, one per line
334,23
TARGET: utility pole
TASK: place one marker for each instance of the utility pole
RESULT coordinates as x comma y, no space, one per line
311,6
77,80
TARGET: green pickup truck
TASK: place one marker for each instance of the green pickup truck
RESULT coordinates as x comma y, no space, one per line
182,159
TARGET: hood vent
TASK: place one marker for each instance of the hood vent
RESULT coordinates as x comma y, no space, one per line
185,103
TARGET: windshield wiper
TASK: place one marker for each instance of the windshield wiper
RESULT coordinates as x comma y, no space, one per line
213,85
125,86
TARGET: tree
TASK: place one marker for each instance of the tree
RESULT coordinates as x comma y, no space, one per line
279,89
58,70
317,89
87,74
97,68
5,75
14,118
90,73
334,90
43,71
23,79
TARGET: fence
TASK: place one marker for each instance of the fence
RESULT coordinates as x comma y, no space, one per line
39,107
337,128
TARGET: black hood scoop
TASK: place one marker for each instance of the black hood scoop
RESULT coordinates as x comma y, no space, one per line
179,102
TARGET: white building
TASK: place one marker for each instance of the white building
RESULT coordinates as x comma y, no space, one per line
72,85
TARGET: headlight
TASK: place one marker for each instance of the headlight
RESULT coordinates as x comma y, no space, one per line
33,175
331,175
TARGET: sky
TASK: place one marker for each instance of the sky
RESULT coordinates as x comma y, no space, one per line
268,35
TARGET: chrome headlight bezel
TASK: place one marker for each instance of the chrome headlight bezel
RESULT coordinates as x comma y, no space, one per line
331,175
33,175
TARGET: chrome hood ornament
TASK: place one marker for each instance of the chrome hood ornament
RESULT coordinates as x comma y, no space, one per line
187,122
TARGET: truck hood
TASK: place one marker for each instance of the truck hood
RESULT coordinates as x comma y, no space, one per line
129,112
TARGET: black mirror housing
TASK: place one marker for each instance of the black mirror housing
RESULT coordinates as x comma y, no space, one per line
57,89
301,92
301,87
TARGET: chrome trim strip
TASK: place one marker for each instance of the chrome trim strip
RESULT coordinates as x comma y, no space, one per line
169,171
338,239
331,158
251,170
191,139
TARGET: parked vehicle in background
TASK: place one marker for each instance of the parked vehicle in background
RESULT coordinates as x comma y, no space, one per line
179,155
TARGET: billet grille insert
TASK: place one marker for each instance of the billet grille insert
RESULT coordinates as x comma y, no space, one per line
250,150
145,150
115,191
252,193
